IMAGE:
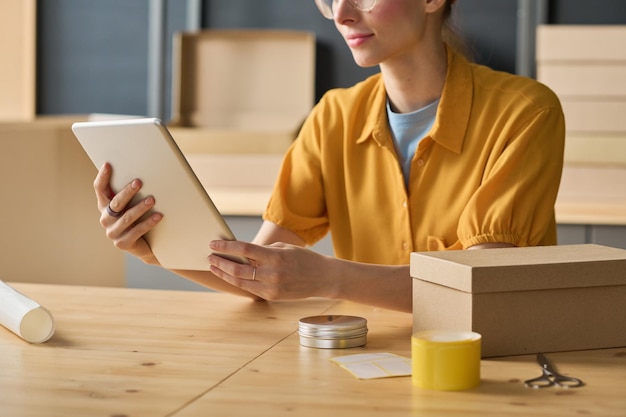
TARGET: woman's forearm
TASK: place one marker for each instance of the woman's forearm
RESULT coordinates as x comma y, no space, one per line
380,285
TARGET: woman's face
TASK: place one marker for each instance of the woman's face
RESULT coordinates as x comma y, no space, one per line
392,30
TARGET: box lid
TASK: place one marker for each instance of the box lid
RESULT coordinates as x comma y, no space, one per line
522,269
255,80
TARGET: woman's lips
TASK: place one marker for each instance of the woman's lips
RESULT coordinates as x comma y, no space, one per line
357,40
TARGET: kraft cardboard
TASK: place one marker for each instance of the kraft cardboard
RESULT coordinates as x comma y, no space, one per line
591,79
524,300
595,116
239,98
49,225
571,42
253,84
18,46
597,148
585,65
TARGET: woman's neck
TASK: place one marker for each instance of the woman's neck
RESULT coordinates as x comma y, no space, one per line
413,82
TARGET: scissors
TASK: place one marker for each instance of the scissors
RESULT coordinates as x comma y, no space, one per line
550,376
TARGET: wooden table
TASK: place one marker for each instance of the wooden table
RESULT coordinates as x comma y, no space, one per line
127,353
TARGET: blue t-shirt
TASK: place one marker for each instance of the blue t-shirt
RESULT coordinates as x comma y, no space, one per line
407,129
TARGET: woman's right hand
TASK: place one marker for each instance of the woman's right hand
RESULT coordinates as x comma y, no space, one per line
121,222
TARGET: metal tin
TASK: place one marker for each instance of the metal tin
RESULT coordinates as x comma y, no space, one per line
333,331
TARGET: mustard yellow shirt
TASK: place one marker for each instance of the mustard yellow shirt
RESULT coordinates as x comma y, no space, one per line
489,170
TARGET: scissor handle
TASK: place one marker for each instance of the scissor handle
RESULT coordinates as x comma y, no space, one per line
542,381
549,378
566,381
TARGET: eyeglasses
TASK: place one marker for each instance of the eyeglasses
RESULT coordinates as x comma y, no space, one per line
326,6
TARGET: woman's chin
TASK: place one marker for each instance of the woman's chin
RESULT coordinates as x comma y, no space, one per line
365,62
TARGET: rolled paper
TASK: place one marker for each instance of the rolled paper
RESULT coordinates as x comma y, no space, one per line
23,316
445,360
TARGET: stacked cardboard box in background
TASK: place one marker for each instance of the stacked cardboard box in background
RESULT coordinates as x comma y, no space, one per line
18,30
249,88
586,67
239,98
49,228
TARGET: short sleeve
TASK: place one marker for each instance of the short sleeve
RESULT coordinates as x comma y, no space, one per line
515,201
298,201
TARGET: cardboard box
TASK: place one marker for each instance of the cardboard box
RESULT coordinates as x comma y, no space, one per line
585,65
239,184
49,228
524,300
587,79
255,84
591,115
18,46
576,42
596,148
592,195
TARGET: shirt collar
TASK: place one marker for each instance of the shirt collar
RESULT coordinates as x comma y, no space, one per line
376,125
455,107
453,113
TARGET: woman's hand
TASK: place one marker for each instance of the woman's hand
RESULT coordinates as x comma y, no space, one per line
120,222
276,272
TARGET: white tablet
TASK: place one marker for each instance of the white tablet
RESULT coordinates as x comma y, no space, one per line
144,149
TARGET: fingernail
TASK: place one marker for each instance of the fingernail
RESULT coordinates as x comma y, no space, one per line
135,184
149,201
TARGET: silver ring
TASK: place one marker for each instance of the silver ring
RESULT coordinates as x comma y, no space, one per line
254,274
112,212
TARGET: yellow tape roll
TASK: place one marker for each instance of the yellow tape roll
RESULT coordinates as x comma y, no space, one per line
446,360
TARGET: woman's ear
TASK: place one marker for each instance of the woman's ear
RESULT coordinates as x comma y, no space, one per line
433,6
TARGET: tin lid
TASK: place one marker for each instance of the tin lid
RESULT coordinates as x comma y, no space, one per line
332,327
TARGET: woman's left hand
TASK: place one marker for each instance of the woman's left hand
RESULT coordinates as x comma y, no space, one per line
276,272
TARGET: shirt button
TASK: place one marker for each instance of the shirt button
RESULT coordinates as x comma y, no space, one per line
405,245
420,162
404,204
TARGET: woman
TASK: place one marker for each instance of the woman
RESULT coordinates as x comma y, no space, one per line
433,153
